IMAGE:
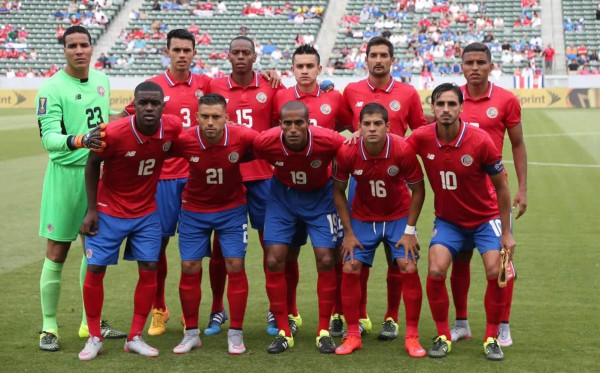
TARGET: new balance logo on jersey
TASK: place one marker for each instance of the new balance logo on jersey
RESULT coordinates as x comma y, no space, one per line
279,164
167,98
430,156
357,172
194,159
130,153
359,104
474,124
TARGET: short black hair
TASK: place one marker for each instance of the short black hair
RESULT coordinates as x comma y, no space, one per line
180,33
478,47
76,30
213,99
245,38
380,40
306,49
446,87
374,108
148,86
294,105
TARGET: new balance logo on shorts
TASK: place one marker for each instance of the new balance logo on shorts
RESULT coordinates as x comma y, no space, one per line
130,153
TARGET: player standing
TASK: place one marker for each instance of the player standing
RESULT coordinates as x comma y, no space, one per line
496,111
121,205
460,160
301,193
405,110
69,104
213,200
383,210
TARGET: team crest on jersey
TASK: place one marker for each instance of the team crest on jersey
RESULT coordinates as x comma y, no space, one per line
393,170
316,164
466,160
167,146
395,105
101,91
261,97
234,157
492,112
42,105
325,109
199,93
50,228
89,253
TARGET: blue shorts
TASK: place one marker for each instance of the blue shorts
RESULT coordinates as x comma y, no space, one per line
195,229
351,192
288,207
486,237
257,194
142,234
371,234
168,201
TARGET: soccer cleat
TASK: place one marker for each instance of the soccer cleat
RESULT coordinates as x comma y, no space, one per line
281,343
235,341
389,330
216,319
49,341
365,325
504,339
138,346
271,324
159,318
189,342
351,343
459,332
413,347
336,325
441,347
109,332
295,323
325,343
492,349
93,347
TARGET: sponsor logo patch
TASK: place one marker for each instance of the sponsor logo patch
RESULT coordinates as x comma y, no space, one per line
42,106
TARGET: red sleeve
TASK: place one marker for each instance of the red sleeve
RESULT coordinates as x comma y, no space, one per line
416,118
344,115
178,146
513,108
412,141
275,107
348,109
111,139
340,166
130,109
489,153
410,165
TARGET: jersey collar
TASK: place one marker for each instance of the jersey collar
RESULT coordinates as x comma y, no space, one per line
140,137
486,96
299,95
385,153
387,89
457,142
224,140
231,84
308,147
173,82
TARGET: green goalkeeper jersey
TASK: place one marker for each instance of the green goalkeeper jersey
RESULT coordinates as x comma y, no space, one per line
68,106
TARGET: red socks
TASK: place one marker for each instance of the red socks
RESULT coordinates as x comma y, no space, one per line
161,278
142,301
337,305
190,294
326,286
460,280
439,303
218,276
237,294
292,276
277,292
510,288
364,279
413,297
351,298
495,300
93,299
394,292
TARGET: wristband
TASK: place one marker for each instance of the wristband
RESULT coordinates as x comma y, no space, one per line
410,229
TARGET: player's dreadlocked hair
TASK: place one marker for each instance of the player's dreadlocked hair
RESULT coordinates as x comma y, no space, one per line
445,87
478,47
306,49
374,108
76,30
180,33
212,99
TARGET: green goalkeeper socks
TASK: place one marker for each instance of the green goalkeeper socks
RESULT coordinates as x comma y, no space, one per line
50,284
82,272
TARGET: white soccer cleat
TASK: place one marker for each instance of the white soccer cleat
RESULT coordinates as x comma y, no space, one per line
138,346
235,341
93,347
504,339
459,333
188,343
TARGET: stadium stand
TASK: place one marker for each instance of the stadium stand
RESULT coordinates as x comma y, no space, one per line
581,30
40,19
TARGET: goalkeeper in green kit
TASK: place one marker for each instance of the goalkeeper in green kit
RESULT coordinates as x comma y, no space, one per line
72,107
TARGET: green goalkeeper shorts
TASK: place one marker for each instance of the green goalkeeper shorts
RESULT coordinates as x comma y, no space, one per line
64,202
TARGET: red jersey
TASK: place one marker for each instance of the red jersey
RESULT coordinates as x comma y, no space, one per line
325,109
495,112
181,99
458,173
307,170
215,181
401,101
381,191
250,106
132,165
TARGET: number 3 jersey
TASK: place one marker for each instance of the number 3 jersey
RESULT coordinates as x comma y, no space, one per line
215,181
132,166
381,190
457,173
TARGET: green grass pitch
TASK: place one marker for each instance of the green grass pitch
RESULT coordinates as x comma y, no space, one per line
554,320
